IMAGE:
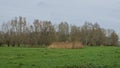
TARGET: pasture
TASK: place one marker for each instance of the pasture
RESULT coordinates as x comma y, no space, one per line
87,57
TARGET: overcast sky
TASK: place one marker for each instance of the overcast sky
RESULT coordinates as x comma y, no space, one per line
105,12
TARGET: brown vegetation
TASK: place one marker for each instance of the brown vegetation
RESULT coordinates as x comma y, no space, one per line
66,45
18,32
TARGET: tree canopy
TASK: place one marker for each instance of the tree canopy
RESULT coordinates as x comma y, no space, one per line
18,32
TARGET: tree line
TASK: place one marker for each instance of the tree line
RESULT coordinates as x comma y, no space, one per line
18,32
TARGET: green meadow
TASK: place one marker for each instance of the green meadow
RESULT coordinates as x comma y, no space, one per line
87,57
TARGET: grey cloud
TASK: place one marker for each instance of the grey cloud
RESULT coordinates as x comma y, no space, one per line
105,12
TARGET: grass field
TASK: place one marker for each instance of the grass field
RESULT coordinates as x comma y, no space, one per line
88,57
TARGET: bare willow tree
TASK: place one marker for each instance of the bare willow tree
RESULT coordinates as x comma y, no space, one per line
47,34
1,38
63,31
7,31
111,38
86,33
75,33
93,34
114,37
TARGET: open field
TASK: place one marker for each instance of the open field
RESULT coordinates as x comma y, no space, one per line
88,57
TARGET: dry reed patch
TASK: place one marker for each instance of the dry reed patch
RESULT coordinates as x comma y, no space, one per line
66,45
